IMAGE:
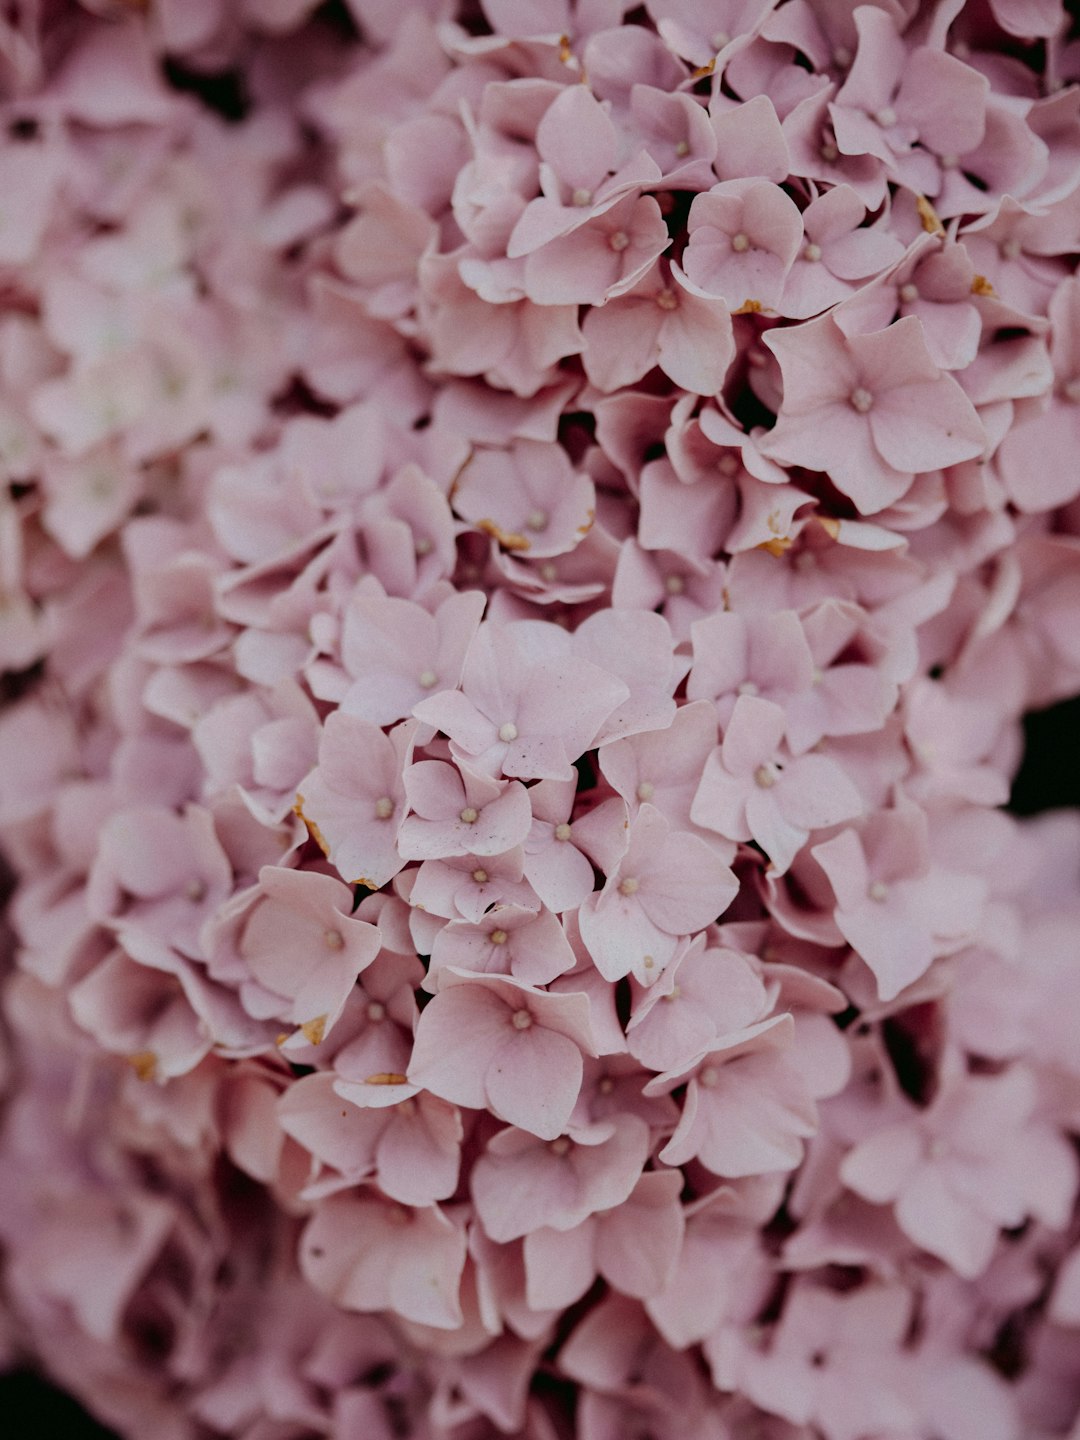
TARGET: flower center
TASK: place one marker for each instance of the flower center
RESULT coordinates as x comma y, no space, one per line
581,196
422,546
498,937
426,679
674,585
667,300
886,117
828,152
727,464
629,886
709,1076
548,572
537,520
480,876
682,148
376,1011
860,399
1010,249
469,815
811,251
384,807
333,940
841,57
561,1146
909,293
1071,390
521,1020
562,832
195,890
646,790
740,242
765,776
618,240
508,732
878,891
748,688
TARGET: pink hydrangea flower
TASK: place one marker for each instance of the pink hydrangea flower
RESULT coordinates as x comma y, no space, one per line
872,410
354,799
953,1182
666,884
750,792
746,1110
891,905
598,480
523,1059
527,707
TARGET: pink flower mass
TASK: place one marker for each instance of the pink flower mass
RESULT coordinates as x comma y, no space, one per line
530,533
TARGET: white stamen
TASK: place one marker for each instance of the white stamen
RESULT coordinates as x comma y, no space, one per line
469,815
682,148
811,251
548,572
562,832
674,585
950,161
333,940
842,57
618,240
748,688
727,464
498,937
422,546
648,961
628,886
560,1146
508,732
537,520
480,876
581,197
521,1020
1071,390
765,776
426,679
740,242
909,293
886,117
646,790
376,1011
1011,248
606,1085
667,300
195,890
720,39
829,153
860,399
878,891
709,1076
384,807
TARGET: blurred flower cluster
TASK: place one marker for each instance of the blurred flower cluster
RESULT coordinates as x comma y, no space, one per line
528,531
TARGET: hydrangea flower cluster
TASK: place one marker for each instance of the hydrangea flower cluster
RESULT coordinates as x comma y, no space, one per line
524,555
